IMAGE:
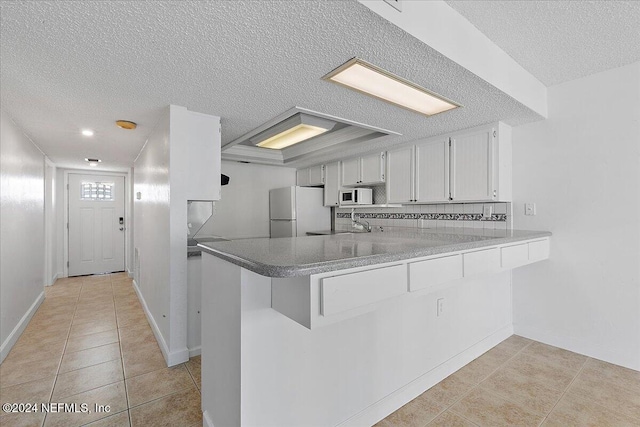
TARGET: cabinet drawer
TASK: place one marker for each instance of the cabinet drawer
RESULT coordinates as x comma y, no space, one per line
349,291
479,262
538,250
434,272
514,256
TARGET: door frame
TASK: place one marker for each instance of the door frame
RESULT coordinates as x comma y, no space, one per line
50,244
127,215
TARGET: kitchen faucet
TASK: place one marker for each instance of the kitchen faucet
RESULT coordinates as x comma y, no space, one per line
357,221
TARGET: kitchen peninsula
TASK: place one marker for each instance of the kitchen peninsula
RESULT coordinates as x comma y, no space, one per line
344,329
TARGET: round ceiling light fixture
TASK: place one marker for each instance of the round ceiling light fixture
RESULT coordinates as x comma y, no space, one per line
126,124
87,132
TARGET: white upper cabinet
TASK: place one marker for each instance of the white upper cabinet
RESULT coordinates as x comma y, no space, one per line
310,177
366,170
302,177
331,184
481,164
316,175
471,166
351,171
202,135
432,171
372,169
468,166
400,175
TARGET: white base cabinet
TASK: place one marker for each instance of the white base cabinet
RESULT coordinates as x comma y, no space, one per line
380,335
273,371
323,299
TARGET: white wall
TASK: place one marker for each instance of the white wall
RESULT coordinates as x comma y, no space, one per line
151,232
243,210
21,232
164,177
582,168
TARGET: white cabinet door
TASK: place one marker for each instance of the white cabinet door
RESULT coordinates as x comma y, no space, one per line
432,171
331,183
302,177
203,152
400,175
472,166
372,169
351,171
316,175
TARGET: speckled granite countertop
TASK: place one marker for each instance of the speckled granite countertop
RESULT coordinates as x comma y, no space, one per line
303,256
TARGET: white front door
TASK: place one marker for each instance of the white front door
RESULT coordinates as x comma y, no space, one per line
96,224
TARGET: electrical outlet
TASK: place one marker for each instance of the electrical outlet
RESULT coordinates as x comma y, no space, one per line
487,211
440,307
396,4
530,209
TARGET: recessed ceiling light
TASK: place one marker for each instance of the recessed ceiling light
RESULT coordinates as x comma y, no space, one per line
291,131
126,124
374,81
87,132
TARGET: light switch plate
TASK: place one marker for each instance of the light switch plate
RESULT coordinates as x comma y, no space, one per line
530,209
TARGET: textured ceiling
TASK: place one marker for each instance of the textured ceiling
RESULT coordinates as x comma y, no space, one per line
558,41
71,65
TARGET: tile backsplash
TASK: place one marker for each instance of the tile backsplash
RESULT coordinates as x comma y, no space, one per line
450,215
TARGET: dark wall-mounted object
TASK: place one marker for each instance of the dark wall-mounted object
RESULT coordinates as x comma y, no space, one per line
224,179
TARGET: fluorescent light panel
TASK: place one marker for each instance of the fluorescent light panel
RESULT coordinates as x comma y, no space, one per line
292,131
291,136
374,81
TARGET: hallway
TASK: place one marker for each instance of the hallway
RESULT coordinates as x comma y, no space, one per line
89,342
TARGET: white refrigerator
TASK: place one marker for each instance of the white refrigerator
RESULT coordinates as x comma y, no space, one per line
295,210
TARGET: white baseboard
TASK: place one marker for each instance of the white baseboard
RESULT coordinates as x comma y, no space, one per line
618,357
206,419
404,395
53,279
8,344
195,351
130,274
171,357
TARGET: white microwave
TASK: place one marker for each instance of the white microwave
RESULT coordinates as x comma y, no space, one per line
356,196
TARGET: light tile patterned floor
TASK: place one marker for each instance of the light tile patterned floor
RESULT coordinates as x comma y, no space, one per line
89,342
526,383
